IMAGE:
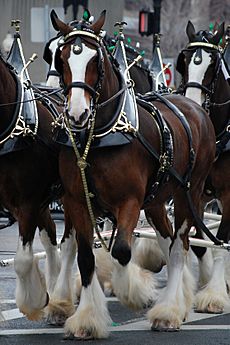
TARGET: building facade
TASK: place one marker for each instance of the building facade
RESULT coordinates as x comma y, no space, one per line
36,28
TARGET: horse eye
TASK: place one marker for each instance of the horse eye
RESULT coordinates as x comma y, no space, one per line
94,59
213,58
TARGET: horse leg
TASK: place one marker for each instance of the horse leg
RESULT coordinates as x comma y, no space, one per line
214,297
31,294
175,301
205,261
91,318
134,286
61,304
47,233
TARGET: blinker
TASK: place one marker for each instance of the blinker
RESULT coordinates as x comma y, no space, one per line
198,57
77,46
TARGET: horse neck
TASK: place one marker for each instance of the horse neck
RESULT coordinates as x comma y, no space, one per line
220,114
7,95
142,79
110,86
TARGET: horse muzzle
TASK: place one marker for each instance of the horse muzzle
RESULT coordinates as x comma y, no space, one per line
82,120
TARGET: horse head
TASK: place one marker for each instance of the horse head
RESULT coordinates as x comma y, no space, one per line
200,61
79,61
53,77
203,68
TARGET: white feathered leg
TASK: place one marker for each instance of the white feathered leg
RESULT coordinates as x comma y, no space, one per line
133,286
147,254
52,261
31,293
213,297
176,299
205,268
61,301
91,319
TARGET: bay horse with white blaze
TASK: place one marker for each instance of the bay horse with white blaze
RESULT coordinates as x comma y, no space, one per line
143,82
28,170
138,156
205,79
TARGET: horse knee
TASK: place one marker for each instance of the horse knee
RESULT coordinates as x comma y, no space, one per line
121,251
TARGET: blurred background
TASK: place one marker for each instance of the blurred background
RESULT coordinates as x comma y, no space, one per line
167,17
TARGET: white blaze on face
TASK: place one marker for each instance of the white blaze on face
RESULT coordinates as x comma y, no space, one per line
53,81
78,102
196,74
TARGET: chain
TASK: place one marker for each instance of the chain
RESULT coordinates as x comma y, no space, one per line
82,164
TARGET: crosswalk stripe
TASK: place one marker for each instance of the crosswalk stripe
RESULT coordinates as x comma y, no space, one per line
12,314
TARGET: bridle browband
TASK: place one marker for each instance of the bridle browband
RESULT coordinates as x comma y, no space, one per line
204,45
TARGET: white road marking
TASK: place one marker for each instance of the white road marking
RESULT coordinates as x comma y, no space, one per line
12,314
7,301
136,325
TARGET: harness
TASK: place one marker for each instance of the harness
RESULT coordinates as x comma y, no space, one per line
165,158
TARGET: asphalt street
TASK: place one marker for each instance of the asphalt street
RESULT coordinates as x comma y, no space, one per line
128,327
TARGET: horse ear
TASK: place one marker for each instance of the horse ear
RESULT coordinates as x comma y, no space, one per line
180,64
218,35
190,31
58,62
47,55
53,17
58,24
96,27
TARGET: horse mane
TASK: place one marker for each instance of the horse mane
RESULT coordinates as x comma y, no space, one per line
2,56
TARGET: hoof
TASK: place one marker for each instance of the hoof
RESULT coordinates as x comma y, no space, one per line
80,335
56,320
210,310
58,313
160,326
68,336
36,315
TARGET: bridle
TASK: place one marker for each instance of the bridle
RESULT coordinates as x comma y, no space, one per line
209,90
75,38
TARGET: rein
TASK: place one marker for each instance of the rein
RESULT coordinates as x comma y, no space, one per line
112,98
220,104
41,96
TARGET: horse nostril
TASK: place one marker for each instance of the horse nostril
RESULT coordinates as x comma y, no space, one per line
83,116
